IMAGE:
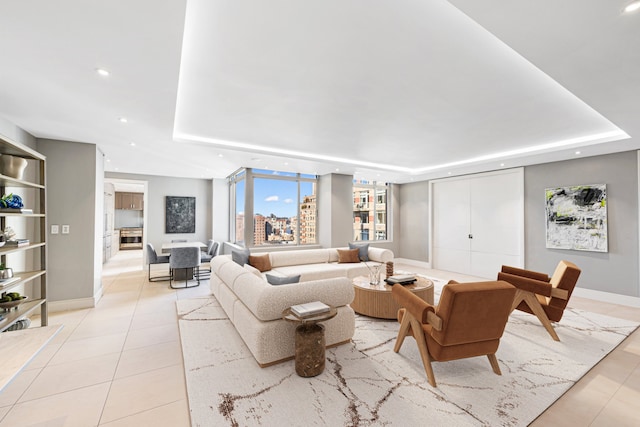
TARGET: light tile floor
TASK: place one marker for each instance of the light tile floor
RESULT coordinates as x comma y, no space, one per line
120,363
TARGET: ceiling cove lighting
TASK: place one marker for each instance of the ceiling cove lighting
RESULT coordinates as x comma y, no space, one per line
613,135
632,7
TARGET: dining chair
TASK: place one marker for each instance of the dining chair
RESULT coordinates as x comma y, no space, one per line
212,250
187,259
154,258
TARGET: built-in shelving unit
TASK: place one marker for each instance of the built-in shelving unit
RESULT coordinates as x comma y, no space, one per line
18,347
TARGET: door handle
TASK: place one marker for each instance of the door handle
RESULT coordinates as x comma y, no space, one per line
471,236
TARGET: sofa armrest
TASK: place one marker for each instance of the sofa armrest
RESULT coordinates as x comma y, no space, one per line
526,284
380,254
267,302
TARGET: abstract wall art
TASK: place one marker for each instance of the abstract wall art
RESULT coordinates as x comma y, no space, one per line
180,215
577,218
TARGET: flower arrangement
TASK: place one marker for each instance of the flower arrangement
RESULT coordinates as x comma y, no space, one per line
12,201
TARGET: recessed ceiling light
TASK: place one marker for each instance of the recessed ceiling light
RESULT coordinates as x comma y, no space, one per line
133,144
220,155
337,169
501,164
286,163
108,160
102,72
448,173
632,7
577,152
123,119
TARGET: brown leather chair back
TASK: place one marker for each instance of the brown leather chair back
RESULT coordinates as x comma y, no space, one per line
473,312
564,277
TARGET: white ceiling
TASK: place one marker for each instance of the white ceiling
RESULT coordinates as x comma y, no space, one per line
390,90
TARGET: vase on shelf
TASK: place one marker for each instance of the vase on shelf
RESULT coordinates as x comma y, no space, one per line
13,166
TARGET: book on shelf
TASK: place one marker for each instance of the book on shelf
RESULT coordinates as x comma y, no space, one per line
16,210
6,282
402,279
309,309
17,242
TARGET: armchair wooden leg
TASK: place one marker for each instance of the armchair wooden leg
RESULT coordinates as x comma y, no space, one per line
533,303
494,363
402,333
424,352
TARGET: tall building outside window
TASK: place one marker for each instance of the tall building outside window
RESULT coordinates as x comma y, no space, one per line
282,204
370,210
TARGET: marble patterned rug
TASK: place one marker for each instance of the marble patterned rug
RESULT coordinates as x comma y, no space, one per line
366,384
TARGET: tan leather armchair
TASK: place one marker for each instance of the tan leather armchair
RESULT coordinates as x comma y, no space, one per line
545,297
468,321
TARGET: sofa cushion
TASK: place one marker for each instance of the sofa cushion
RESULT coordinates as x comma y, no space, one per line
310,272
240,256
348,255
299,257
363,249
261,262
279,280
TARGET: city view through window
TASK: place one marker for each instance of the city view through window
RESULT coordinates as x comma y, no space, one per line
284,208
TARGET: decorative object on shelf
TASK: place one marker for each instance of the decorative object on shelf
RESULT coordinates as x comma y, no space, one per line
12,201
5,273
8,233
11,300
13,166
2,239
389,269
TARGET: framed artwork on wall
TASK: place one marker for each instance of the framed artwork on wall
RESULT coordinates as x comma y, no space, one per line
180,215
577,218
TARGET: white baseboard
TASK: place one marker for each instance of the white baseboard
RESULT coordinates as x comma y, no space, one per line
74,304
580,292
607,297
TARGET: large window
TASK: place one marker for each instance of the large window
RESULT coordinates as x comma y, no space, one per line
370,210
282,204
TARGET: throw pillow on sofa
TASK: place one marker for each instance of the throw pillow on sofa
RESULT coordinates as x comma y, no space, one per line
348,255
261,262
240,256
276,280
363,250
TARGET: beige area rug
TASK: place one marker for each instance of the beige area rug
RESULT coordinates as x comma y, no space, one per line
366,384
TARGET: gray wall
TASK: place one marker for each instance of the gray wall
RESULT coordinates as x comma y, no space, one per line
73,271
413,228
335,205
16,134
615,271
158,187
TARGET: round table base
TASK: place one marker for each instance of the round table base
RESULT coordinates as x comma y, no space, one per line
310,345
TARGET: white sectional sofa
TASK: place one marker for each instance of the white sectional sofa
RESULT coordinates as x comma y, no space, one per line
255,306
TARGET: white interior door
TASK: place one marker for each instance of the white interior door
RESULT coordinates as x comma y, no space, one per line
450,207
478,223
496,217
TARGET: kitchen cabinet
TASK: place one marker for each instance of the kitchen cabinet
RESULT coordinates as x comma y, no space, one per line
132,201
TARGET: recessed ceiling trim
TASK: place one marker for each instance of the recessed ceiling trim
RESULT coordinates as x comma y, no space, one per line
581,141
